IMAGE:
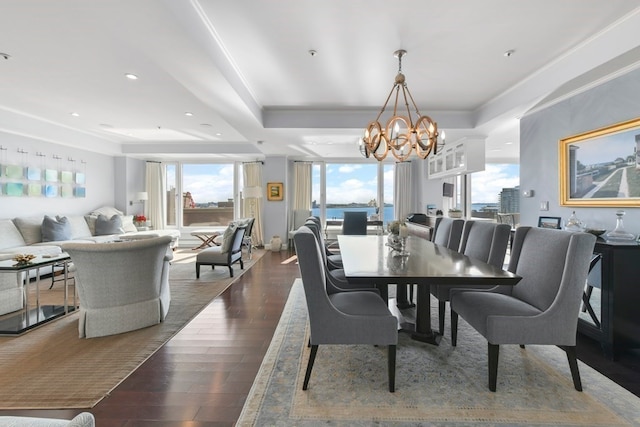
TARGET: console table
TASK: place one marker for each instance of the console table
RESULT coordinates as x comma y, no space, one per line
615,298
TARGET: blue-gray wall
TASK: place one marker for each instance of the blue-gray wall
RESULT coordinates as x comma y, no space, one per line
612,102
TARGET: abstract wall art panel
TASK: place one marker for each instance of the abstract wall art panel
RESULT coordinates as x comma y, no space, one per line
80,177
34,190
15,172
34,174
66,177
51,191
81,192
66,190
15,189
51,175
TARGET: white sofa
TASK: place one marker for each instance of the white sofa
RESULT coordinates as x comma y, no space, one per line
84,419
23,235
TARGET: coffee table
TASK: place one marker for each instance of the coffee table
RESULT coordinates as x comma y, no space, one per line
29,316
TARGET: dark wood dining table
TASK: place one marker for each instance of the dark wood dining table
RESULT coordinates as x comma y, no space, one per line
369,260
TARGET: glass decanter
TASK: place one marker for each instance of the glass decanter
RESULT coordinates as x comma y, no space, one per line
573,223
619,233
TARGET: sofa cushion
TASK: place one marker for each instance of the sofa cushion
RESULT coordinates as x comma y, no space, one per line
79,227
49,248
127,224
30,228
55,229
11,236
107,211
106,225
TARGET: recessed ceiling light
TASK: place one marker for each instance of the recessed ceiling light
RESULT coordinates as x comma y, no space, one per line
131,76
74,114
509,53
187,113
218,134
5,55
508,143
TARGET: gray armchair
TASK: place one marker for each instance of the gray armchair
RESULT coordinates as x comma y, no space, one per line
122,286
543,307
227,254
486,241
343,317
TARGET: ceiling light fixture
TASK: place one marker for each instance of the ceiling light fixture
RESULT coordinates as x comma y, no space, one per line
188,114
131,76
402,135
74,114
509,53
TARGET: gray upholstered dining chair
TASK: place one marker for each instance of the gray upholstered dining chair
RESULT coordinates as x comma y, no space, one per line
482,240
333,260
543,307
344,317
355,223
447,232
122,286
298,218
336,279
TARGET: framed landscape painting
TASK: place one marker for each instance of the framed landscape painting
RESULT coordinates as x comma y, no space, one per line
275,191
601,167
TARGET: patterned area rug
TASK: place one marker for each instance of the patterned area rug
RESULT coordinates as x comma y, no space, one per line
51,368
443,385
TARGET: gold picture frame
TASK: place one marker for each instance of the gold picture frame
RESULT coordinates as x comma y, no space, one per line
601,168
275,191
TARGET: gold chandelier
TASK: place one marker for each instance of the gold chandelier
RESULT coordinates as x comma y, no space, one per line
401,136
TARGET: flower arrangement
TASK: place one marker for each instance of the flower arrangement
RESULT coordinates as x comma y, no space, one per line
22,259
140,218
394,226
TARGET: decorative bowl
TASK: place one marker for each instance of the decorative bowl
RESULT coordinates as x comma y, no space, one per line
23,258
595,231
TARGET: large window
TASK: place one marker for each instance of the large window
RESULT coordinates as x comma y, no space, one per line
200,194
495,190
352,187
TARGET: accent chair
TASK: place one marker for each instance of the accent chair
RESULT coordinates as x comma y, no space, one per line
122,286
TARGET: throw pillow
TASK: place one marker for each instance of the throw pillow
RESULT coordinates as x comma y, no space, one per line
127,224
105,225
55,229
227,238
107,211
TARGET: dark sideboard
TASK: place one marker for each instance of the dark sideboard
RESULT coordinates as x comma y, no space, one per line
614,299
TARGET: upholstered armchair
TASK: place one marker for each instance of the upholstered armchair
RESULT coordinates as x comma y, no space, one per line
357,317
122,286
298,219
543,307
84,419
228,253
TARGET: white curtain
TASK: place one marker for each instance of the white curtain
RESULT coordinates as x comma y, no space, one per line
302,185
402,190
252,176
156,205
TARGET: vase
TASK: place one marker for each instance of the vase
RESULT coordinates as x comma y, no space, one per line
275,243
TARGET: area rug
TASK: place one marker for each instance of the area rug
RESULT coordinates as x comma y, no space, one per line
435,385
51,368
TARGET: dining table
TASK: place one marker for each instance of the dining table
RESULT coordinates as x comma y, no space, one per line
373,260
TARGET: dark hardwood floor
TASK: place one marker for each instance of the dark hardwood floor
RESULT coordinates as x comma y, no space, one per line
202,376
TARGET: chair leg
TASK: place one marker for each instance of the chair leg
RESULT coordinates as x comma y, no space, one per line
392,368
494,350
573,365
312,358
241,264
197,270
230,271
454,328
442,306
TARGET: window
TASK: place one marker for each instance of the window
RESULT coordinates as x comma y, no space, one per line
495,190
207,194
172,194
352,187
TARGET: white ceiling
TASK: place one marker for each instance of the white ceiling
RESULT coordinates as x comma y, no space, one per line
244,71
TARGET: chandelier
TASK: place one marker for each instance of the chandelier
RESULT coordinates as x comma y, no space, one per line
402,136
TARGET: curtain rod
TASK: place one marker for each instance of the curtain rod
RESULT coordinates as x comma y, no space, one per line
152,161
257,161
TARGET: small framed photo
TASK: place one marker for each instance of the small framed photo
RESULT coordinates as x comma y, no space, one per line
549,222
275,191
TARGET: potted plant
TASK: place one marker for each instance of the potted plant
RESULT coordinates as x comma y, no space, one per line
140,220
455,213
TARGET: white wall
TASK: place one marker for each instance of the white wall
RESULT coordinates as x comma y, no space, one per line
275,212
99,177
540,132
